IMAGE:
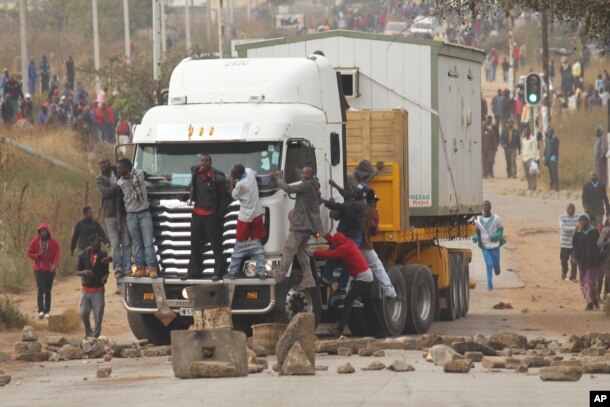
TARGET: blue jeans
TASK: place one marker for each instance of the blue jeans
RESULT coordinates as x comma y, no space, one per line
121,249
248,248
332,264
492,261
140,227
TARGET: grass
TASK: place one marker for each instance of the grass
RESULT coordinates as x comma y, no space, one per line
34,191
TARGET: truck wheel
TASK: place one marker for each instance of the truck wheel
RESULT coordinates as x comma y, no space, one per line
395,311
420,298
147,326
452,293
289,301
465,285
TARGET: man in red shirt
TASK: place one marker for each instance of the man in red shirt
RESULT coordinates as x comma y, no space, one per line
44,250
92,268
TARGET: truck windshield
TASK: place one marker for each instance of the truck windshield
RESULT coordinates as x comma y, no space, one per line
178,160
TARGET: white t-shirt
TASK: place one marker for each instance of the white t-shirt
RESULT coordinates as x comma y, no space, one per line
246,191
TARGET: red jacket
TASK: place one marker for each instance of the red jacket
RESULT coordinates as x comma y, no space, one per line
345,250
50,258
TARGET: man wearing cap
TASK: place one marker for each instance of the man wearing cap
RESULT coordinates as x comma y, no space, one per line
511,142
27,110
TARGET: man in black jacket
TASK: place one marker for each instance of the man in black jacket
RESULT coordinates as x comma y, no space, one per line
551,158
595,200
92,268
84,229
210,198
511,142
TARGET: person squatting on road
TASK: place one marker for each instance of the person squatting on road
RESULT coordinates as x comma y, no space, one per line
250,224
210,199
595,200
106,184
490,237
44,250
84,229
346,251
603,242
132,204
92,267
588,259
304,222
567,224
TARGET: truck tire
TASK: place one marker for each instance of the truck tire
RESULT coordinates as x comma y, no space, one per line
147,326
395,311
289,301
420,298
452,293
465,285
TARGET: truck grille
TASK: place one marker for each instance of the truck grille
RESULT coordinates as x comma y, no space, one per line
172,226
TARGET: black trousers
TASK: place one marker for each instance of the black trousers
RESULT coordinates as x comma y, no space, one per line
566,255
206,229
371,313
44,282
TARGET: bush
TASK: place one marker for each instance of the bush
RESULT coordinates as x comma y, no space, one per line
10,316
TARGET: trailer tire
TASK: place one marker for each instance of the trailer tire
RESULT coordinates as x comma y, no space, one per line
465,285
289,301
420,298
395,311
451,313
147,326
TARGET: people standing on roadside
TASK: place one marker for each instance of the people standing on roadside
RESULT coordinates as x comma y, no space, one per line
304,222
530,157
210,199
511,142
32,75
507,109
600,150
588,259
45,71
106,184
44,250
505,69
13,88
496,107
567,224
133,210
489,146
84,229
595,200
551,158
490,237
70,73
92,267
250,223
123,133
603,242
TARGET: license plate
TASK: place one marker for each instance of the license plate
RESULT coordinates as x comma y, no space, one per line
186,312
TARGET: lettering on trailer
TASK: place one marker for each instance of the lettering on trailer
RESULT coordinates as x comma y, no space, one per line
599,398
202,131
420,200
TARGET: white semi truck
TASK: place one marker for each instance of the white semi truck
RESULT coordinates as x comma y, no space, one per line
280,115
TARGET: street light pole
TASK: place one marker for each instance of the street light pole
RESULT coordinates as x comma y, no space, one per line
187,24
163,36
220,29
23,34
126,28
156,49
96,45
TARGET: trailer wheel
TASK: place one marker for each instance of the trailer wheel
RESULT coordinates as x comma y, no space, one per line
421,298
465,285
289,301
395,311
451,313
147,326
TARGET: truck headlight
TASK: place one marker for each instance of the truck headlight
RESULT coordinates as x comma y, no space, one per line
271,266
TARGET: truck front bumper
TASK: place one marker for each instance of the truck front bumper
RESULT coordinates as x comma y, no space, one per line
249,296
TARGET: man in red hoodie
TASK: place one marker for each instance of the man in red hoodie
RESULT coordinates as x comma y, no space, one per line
357,267
44,250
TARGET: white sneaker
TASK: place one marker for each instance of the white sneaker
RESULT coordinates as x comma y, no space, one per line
46,316
41,315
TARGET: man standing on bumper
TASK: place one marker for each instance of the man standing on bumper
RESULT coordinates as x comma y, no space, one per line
304,222
92,268
250,225
106,184
210,199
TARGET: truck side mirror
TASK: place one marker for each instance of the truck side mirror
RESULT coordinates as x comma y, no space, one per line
335,149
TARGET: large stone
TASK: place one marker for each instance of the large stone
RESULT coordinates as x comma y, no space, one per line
130,353
514,363
301,329
379,354
56,341
344,352
429,340
25,347
331,347
94,349
103,372
33,356
598,368
400,366
571,362
481,339
346,369
117,348
399,343
374,365
442,354
451,339
594,351
474,356
156,351
561,373
536,361
57,323
458,366
493,362
4,379
297,363
213,368
366,352
29,334
463,347
70,352
503,340
573,345
208,345
254,368
54,357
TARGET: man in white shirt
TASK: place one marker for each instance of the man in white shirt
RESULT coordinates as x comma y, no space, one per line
489,236
529,154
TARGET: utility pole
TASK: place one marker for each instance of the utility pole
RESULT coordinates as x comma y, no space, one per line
23,34
220,28
156,23
96,45
511,70
545,64
163,35
229,32
249,11
187,24
126,28
208,23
